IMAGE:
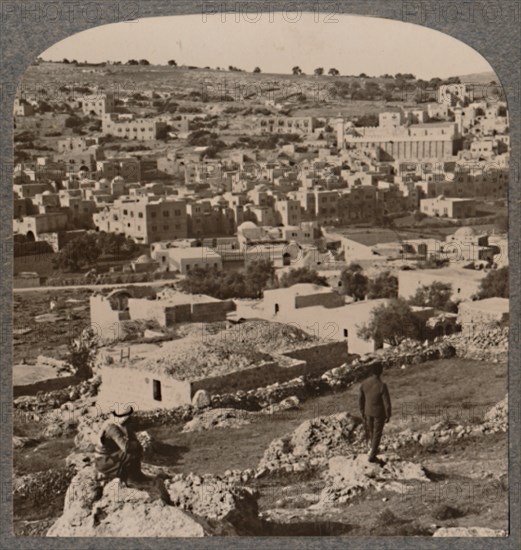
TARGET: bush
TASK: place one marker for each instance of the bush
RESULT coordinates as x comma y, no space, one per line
443,512
495,284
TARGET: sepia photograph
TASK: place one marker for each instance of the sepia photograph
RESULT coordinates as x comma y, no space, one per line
260,281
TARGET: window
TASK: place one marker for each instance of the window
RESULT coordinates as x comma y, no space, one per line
166,227
140,215
152,214
156,390
345,333
125,212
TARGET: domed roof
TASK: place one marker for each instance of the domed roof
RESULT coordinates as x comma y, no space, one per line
464,233
103,181
118,178
46,193
247,225
144,259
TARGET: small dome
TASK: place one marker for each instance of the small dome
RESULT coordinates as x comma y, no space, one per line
46,193
103,181
247,225
118,179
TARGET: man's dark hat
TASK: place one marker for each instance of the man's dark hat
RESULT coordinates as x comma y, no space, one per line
128,412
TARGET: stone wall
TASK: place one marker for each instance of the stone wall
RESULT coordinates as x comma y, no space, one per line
51,384
254,377
321,357
211,312
331,299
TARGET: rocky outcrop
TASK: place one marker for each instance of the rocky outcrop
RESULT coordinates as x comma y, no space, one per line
481,343
113,510
201,506
348,477
469,532
496,419
312,443
216,498
218,418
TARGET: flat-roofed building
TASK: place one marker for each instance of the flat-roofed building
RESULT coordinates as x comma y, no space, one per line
448,207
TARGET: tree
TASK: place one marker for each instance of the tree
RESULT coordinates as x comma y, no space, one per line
384,285
354,282
144,62
132,62
391,323
333,72
318,71
302,275
115,245
172,63
436,295
65,60
73,122
495,284
296,70
78,253
82,352
257,70
259,274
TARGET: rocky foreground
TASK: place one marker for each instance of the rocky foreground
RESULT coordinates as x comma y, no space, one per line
329,448
328,451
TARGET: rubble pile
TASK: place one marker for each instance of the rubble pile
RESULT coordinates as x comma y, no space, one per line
290,403
218,418
486,344
39,485
214,497
270,336
496,419
45,401
197,357
347,477
312,443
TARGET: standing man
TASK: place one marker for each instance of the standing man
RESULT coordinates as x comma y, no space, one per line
375,408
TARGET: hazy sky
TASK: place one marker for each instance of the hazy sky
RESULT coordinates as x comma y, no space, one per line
352,45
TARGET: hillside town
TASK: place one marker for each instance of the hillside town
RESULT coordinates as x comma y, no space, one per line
218,264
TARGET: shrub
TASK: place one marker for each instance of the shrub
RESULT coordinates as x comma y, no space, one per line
444,512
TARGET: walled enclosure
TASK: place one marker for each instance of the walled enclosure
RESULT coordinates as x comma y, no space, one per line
121,384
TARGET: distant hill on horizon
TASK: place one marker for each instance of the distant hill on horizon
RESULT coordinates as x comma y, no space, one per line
479,78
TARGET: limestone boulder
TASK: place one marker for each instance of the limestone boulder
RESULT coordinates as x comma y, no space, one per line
201,399
469,532
114,510
348,477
